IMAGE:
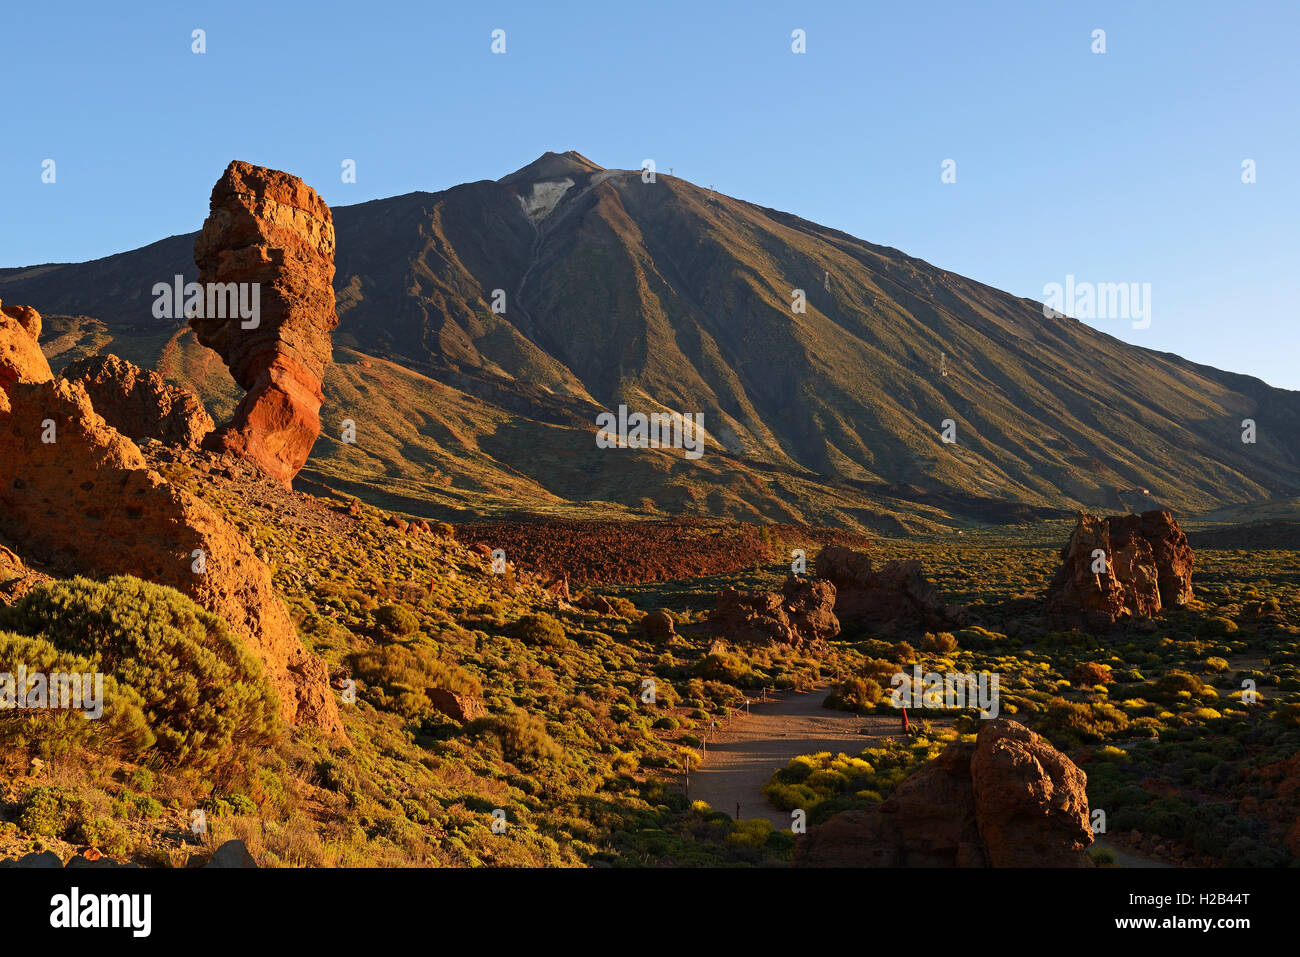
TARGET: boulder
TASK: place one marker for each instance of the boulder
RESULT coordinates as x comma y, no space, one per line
231,854
16,578
590,601
459,707
1145,566
801,614
271,231
21,359
88,503
139,403
658,625
897,596
1007,799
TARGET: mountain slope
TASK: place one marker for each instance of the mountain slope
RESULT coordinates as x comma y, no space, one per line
665,296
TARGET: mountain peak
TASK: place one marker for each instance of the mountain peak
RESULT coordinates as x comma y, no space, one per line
553,166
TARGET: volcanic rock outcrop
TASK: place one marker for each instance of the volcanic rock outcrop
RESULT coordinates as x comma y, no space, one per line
802,613
268,231
1007,799
898,595
21,359
139,403
1145,566
78,495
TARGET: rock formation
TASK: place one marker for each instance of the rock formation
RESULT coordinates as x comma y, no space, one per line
800,614
457,706
270,232
21,359
139,403
16,578
896,596
78,495
87,502
659,625
1007,799
1146,565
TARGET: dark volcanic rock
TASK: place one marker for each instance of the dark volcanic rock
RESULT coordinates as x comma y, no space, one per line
898,595
1008,799
1146,565
802,613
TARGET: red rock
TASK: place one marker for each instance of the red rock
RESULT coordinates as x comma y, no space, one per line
885,600
16,577
140,404
269,228
658,625
87,503
559,587
1008,799
21,359
589,601
1030,800
1148,567
460,707
800,614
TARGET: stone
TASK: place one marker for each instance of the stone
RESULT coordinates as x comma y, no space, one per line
231,854
270,229
1147,568
800,615
21,359
658,625
459,707
1007,799
89,504
139,403
895,597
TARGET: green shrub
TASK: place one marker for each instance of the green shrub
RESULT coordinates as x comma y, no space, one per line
942,644
523,737
540,629
397,620
1218,626
203,693
43,812
122,729
855,694
396,678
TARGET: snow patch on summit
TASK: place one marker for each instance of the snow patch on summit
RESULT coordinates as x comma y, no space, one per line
544,198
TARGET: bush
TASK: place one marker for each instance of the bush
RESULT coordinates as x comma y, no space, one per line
1090,673
43,812
397,620
1218,626
1076,721
942,644
855,694
523,737
541,629
396,678
123,727
204,695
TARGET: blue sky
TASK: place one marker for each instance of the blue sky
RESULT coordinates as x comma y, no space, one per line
1115,167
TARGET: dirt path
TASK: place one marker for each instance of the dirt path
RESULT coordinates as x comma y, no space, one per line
741,759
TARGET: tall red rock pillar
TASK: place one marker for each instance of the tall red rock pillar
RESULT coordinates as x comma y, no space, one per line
272,236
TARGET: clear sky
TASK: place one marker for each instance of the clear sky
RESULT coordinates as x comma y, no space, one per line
1117,167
